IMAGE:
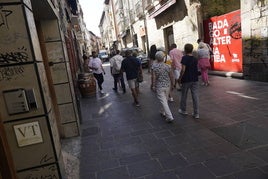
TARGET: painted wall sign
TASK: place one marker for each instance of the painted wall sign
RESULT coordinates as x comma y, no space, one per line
223,34
28,133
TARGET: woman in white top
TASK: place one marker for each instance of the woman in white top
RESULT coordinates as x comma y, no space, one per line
95,64
203,62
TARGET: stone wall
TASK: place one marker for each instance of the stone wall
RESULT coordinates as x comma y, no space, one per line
254,20
25,102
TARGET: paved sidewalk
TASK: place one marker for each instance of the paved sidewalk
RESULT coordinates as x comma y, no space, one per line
229,141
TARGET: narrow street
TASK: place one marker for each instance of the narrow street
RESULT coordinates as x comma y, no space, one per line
120,141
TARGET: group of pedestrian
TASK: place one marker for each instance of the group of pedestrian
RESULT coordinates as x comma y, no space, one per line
173,70
182,69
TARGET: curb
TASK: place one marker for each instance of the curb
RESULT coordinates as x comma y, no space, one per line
227,74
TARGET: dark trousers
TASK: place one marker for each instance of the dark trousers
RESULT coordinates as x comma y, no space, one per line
117,78
99,78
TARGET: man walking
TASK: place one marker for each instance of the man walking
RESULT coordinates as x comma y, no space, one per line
175,55
95,65
189,81
131,66
115,64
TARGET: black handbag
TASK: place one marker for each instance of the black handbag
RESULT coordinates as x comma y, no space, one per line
140,77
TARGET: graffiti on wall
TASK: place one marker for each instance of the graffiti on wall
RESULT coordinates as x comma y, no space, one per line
14,40
14,43
13,72
255,51
48,172
18,56
4,13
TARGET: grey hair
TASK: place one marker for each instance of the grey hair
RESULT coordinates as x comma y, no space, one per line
159,56
161,49
202,45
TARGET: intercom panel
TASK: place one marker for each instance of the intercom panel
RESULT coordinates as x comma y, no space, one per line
19,101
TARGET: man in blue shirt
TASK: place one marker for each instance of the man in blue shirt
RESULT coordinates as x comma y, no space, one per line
189,80
131,66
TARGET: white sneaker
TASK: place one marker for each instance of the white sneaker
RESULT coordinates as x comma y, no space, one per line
169,120
196,116
101,91
182,112
171,99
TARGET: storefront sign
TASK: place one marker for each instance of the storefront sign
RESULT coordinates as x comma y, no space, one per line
28,133
223,34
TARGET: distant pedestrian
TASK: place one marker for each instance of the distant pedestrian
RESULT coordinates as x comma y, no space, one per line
189,81
152,52
209,48
203,62
95,64
131,66
175,55
162,83
140,75
115,64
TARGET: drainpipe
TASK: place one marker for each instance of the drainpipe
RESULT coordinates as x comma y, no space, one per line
130,24
145,27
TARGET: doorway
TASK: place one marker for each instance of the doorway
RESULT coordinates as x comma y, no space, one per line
168,37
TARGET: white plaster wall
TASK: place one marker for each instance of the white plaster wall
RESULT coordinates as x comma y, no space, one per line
185,31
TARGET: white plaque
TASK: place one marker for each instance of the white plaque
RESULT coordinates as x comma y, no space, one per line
28,133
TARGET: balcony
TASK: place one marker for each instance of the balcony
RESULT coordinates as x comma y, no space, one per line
75,20
148,4
131,16
139,10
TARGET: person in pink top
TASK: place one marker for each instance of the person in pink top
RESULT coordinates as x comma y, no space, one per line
175,55
203,61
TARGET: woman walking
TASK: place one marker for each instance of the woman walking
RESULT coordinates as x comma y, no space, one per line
162,82
203,62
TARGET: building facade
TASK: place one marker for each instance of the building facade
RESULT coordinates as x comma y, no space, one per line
41,46
143,23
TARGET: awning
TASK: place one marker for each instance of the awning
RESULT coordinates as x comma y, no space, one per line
162,8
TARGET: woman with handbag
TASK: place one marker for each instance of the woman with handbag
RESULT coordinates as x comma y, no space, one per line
203,62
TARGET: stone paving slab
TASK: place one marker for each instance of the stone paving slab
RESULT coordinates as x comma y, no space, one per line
229,140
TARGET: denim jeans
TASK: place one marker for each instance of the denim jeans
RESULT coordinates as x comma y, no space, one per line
119,78
193,86
162,95
99,78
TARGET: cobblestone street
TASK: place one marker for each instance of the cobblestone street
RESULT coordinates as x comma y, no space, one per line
121,141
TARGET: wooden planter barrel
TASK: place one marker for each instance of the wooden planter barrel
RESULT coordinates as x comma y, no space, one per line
87,84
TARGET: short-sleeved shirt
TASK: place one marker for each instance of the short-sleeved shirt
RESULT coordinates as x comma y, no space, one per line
203,53
176,55
161,71
191,69
131,66
95,63
115,59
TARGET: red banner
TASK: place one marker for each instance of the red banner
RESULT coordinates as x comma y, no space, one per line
223,34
